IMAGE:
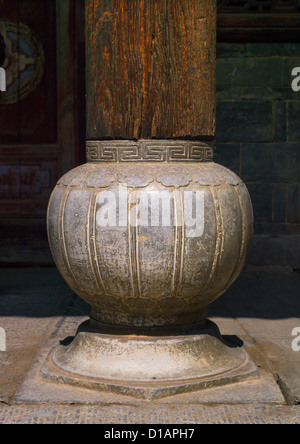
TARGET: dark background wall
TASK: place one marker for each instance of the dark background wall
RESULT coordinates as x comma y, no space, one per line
258,137
258,122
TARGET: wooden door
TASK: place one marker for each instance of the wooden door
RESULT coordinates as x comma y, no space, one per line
40,114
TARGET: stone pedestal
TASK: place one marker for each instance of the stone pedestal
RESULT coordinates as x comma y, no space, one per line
149,367
150,230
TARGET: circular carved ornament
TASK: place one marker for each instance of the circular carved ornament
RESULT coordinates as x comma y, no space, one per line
24,61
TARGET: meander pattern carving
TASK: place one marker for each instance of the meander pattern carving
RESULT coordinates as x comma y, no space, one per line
148,151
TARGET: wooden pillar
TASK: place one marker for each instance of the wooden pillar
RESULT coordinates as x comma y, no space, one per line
151,69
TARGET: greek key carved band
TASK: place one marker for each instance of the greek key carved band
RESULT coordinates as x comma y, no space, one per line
148,151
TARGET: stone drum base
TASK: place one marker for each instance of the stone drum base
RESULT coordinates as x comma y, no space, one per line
149,367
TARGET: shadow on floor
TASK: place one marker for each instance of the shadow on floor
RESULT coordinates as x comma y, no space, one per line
41,292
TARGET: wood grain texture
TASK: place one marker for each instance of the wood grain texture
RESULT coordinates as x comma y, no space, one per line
150,69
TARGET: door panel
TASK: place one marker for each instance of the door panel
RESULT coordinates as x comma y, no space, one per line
39,123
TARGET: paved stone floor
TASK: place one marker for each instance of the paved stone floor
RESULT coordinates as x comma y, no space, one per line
262,309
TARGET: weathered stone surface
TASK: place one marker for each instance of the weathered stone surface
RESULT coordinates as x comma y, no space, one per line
285,362
150,367
272,49
283,287
146,276
263,390
244,122
228,154
235,50
278,250
269,94
233,93
238,93
289,381
269,296
32,303
293,203
257,73
184,414
279,213
250,72
274,162
280,121
261,196
289,64
280,309
147,151
293,122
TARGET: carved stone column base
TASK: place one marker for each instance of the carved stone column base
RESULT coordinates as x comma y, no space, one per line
149,233
149,366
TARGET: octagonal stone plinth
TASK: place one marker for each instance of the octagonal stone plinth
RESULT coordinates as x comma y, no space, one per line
149,366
